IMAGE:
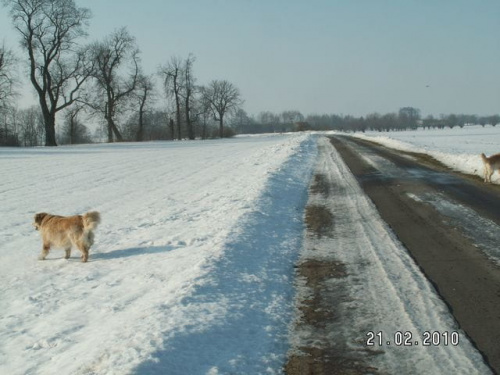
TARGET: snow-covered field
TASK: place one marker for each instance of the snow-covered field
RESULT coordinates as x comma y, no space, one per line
192,269
458,148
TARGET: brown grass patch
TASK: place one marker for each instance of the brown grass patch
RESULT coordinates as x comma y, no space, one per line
316,313
319,220
317,272
321,362
320,185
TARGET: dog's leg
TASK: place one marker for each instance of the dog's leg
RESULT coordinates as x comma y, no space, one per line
68,253
45,251
85,254
487,173
84,249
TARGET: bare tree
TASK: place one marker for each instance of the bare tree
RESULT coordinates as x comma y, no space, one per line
31,126
171,127
409,117
9,135
49,32
241,121
144,92
8,86
8,77
74,132
188,91
269,120
291,117
172,78
114,85
223,97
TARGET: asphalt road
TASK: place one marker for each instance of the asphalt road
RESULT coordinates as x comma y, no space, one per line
448,222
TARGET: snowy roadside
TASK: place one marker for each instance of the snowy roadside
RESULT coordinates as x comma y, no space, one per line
457,148
191,267
383,304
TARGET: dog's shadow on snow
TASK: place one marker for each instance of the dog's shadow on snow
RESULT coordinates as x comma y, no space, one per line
131,252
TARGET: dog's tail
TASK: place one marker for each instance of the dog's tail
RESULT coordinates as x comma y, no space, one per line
91,220
485,159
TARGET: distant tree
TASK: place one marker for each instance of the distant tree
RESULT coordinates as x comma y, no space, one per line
359,124
429,122
49,32
409,117
451,121
461,120
472,119
373,122
494,120
32,129
483,120
8,78
73,131
172,76
156,129
270,122
143,93
291,117
323,122
116,74
240,121
7,138
188,91
390,121
204,115
8,86
9,135
223,97
301,126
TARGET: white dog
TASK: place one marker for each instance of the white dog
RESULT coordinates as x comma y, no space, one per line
491,164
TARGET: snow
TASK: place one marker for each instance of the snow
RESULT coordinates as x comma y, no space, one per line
458,148
192,267
191,270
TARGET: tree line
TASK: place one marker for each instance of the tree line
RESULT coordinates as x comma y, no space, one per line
103,79
407,118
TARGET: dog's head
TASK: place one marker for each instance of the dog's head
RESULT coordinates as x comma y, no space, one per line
38,220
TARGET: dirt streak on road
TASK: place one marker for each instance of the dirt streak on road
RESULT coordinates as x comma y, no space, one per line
464,277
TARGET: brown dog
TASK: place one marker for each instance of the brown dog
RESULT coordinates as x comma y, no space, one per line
491,164
67,231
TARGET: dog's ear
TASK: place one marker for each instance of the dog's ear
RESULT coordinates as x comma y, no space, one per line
39,217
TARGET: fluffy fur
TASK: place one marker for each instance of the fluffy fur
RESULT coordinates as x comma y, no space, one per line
67,231
491,164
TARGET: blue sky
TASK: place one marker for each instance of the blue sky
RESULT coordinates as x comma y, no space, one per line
318,56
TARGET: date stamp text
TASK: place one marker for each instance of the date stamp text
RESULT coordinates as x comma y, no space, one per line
408,338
